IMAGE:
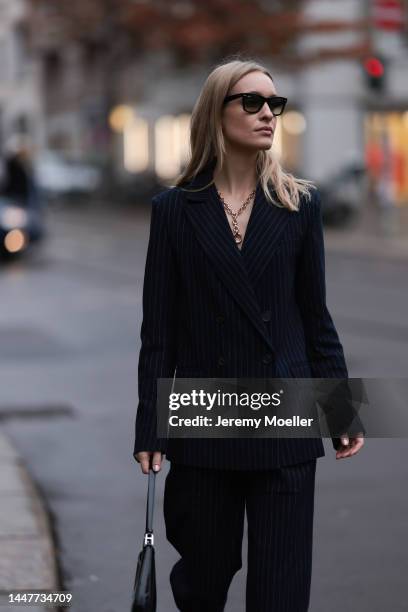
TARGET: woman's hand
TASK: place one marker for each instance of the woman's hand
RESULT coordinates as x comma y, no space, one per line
350,446
149,458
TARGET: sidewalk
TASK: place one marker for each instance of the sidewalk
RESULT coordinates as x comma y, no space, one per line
359,243
382,234
27,558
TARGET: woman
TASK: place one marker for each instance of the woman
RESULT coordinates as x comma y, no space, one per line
234,287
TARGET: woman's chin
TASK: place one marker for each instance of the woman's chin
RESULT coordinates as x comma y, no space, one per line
265,146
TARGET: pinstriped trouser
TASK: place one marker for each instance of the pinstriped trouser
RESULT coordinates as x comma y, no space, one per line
204,515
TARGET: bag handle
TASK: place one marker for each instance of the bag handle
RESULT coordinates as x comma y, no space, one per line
149,538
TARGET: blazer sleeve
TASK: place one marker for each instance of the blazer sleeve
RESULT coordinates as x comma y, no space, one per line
157,357
324,349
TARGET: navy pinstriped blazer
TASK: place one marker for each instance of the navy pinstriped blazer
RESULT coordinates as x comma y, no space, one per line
210,309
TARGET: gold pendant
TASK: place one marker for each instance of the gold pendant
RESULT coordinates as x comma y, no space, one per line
238,238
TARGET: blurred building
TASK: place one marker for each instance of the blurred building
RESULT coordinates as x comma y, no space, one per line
348,101
359,109
346,86
21,108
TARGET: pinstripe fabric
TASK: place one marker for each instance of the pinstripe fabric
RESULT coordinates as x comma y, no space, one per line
204,513
210,309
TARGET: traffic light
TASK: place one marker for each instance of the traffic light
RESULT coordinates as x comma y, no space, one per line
374,69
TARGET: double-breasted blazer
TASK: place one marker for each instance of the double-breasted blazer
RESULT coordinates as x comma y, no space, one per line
211,309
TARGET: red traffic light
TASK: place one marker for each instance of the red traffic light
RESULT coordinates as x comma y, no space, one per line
374,67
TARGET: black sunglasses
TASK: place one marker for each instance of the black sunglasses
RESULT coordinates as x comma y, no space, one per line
253,102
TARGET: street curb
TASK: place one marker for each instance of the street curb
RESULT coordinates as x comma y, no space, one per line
28,556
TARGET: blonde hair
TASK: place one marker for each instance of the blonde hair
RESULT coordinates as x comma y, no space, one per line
207,139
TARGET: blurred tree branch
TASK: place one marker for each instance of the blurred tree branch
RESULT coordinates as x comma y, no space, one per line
90,47
190,30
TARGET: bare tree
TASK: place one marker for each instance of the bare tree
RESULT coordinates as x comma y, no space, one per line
191,30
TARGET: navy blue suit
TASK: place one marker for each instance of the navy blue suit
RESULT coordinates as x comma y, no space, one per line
209,310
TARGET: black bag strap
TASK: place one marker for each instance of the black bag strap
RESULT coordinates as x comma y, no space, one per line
149,508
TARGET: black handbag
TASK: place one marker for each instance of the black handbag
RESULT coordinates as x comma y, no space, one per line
144,588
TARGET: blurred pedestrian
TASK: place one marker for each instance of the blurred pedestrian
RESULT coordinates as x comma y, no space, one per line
18,175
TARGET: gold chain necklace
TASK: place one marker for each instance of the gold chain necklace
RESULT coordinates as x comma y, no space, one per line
234,215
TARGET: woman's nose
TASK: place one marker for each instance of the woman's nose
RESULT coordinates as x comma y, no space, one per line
266,111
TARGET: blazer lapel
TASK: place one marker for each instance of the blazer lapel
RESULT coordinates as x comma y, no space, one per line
238,270
265,229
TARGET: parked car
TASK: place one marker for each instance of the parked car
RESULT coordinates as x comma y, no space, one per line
59,177
20,226
343,194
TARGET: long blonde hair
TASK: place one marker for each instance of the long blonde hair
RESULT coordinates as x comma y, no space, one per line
207,139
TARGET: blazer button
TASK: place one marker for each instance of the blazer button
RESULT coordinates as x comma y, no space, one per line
267,358
219,318
221,361
266,316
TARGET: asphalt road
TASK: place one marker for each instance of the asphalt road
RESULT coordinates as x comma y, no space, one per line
69,336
